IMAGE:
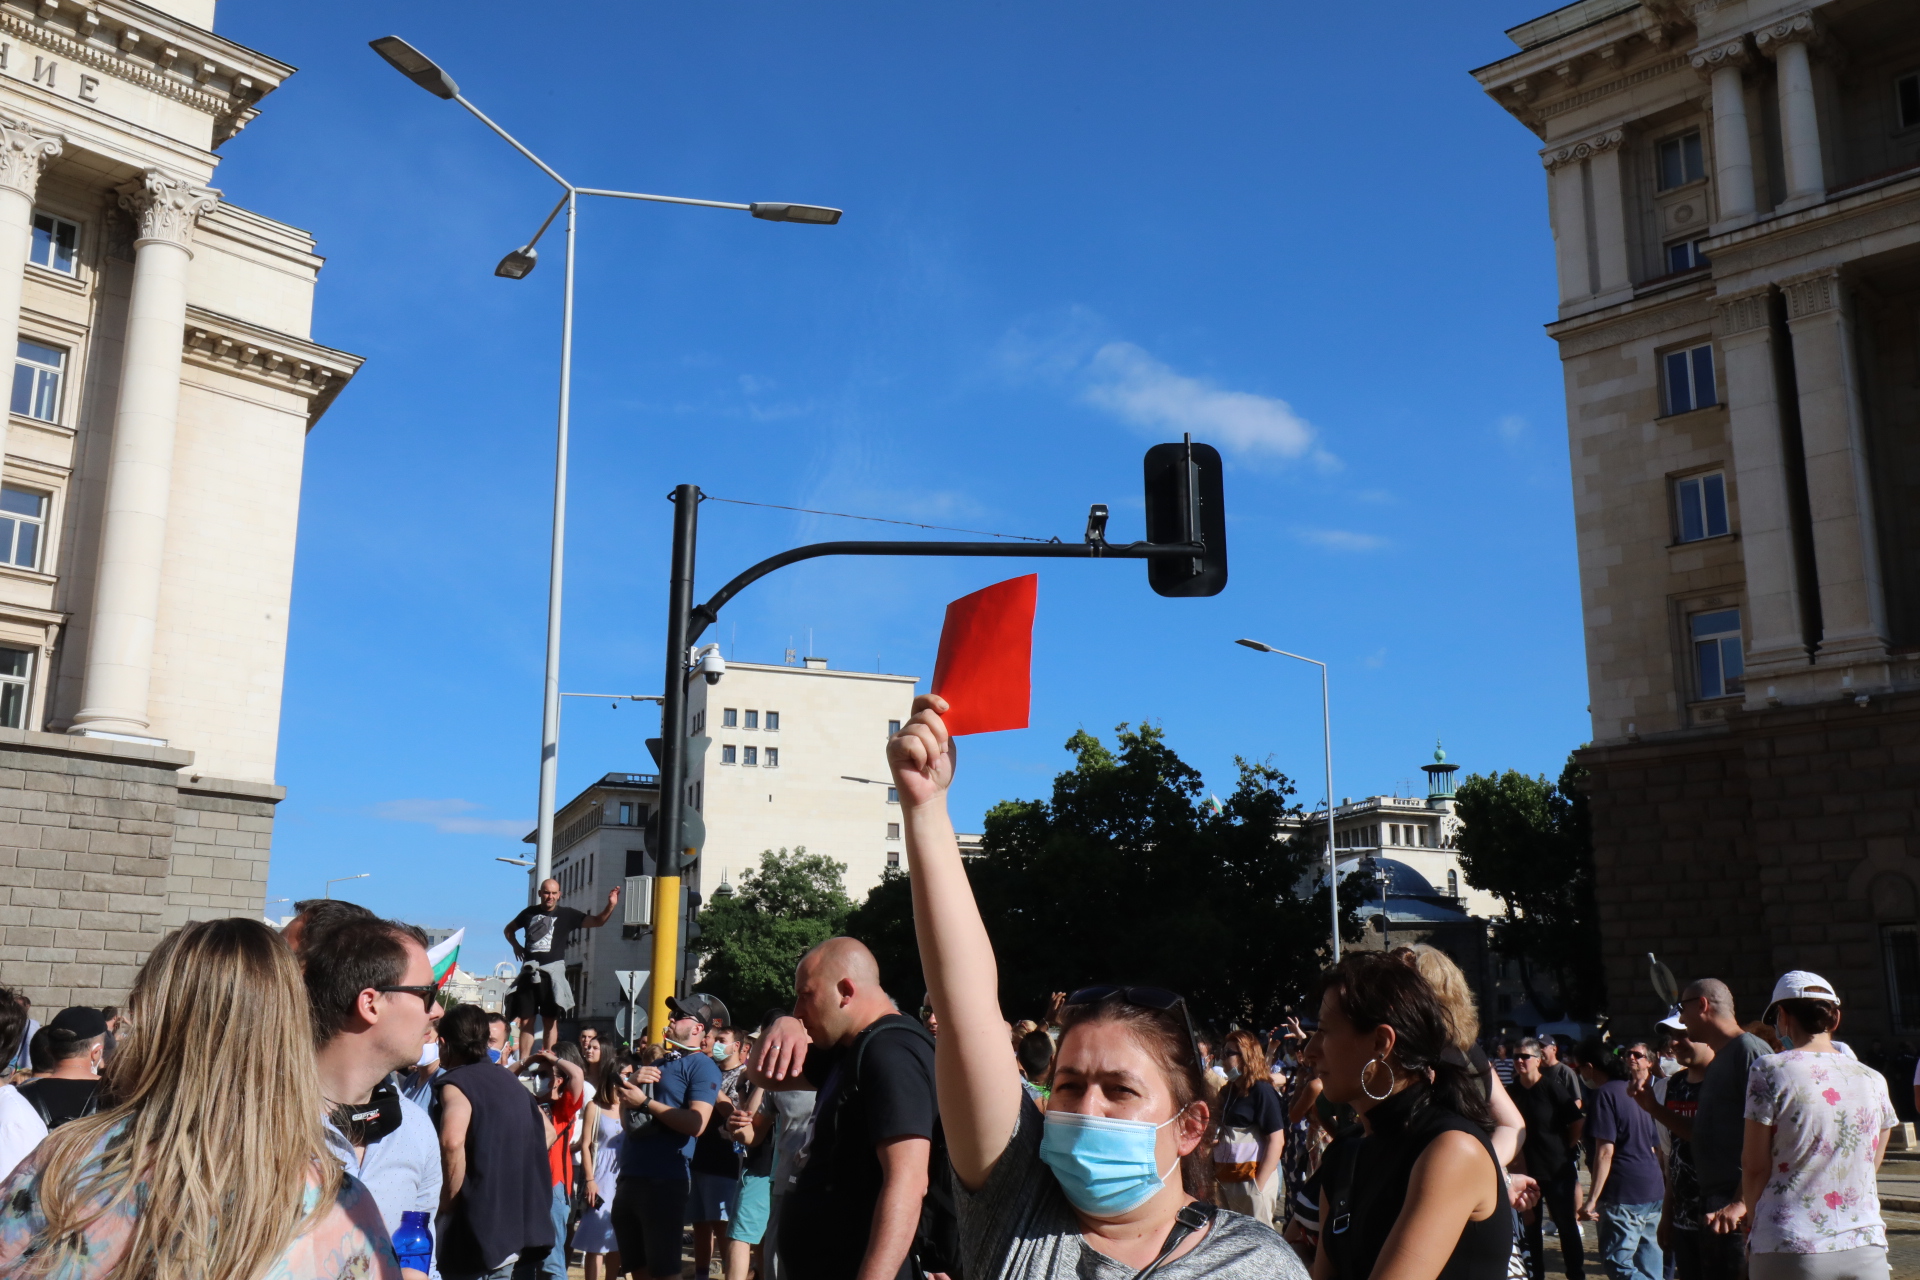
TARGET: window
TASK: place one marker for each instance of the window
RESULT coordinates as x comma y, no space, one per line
893,831
1426,837
893,859
1900,945
56,243
773,722
893,727
773,757
729,718
753,720
699,722
1681,161
1702,504
727,754
1716,653
22,516
1906,92
750,756
893,795
1690,380
1453,884
36,380
16,668
1685,255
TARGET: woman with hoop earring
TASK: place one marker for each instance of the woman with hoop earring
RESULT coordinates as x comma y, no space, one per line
1418,1196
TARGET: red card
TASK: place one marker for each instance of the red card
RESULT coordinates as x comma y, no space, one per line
985,667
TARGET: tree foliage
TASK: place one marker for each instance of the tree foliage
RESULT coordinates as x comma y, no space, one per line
1530,842
1129,875
751,941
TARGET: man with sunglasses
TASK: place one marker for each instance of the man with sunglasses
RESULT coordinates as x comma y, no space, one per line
371,992
1553,1119
1672,1102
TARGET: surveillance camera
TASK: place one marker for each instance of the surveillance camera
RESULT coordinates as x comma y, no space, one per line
712,665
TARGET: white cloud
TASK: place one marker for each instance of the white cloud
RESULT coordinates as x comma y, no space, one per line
1511,428
1342,540
449,816
1378,658
1146,393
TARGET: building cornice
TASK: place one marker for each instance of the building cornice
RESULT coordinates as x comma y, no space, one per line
263,356
1638,318
1608,57
154,51
1574,152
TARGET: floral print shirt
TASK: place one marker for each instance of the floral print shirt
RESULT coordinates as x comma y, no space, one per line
349,1242
1830,1115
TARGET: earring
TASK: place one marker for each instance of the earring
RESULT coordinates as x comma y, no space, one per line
1377,1097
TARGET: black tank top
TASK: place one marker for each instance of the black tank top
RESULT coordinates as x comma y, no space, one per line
1376,1168
505,1206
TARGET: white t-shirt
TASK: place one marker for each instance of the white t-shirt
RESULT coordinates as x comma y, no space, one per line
21,1129
1829,1115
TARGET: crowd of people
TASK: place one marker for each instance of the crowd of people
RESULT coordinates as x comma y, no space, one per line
299,1103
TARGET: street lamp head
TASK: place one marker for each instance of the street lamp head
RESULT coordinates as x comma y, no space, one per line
518,862
1255,644
415,66
519,264
817,214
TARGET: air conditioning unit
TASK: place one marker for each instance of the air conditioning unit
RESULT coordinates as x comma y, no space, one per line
638,900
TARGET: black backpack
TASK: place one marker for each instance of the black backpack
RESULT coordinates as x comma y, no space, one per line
936,1245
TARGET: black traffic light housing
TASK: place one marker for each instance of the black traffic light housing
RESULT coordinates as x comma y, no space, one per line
1186,502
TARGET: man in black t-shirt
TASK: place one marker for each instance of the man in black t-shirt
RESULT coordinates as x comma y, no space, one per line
1552,1115
77,1039
856,1206
542,989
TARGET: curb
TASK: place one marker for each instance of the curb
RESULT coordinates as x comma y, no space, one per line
1900,1204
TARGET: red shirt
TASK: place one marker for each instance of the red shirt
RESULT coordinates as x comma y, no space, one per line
560,1154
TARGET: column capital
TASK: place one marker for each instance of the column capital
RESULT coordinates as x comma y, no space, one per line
166,207
1731,53
1798,28
1574,152
1812,292
1743,312
24,152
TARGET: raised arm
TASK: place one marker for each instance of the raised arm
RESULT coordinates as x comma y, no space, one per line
978,1079
606,913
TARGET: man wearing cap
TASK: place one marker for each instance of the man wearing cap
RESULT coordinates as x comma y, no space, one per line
667,1108
77,1040
1672,1101
1719,1122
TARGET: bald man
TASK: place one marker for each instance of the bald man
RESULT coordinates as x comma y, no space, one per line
1719,1122
854,1211
542,989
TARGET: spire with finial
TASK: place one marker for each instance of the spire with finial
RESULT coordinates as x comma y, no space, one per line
1439,774
725,890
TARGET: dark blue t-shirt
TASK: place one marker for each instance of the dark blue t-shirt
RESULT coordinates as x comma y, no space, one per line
661,1152
1613,1116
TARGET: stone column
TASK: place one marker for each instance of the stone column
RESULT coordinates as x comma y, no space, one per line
1569,228
1787,41
126,600
1775,610
1610,215
1839,491
1732,141
1588,215
24,152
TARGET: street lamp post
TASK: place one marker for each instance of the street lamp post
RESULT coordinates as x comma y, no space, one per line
1326,734
341,880
517,265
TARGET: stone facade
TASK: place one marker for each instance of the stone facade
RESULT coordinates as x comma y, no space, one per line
165,379
1734,190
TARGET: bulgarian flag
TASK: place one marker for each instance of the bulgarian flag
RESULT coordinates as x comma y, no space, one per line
445,958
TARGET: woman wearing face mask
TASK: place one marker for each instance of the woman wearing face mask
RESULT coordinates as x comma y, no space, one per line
1107,1184
1817,1125
1252,1132
1419,1196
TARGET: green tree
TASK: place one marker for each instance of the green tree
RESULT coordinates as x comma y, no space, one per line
1530,843
1129,874
750,942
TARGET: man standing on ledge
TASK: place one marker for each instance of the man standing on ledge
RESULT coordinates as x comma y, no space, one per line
542,989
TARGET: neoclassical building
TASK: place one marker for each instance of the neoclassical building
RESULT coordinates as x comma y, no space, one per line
1734,189
163,385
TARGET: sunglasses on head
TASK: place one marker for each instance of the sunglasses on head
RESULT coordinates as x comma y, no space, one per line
1158,999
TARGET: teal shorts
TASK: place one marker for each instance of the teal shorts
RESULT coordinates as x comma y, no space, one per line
750,1214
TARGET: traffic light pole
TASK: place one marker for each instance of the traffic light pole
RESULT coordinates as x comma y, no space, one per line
1183,496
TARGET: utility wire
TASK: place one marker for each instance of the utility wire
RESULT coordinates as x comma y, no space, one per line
912,524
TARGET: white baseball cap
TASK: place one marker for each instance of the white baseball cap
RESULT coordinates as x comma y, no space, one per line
1800,984
1672,1021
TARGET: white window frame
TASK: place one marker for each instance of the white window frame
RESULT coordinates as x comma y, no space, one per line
44,375
1711,647
1702,491
1679,141
893,859
893,831
16,691
1693,260
10,521
1683,380
53,240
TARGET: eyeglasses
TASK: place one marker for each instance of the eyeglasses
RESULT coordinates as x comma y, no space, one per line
1157,998
1635,1053
426,993
1526,1057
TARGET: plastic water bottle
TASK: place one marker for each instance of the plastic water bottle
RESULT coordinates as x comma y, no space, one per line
414,1243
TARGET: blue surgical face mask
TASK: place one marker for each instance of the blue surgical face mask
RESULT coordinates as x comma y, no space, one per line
493,1055
1106,1167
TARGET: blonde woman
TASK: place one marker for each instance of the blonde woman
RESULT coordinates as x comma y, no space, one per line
210,1164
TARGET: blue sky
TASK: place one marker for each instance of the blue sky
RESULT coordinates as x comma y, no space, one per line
1073,230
